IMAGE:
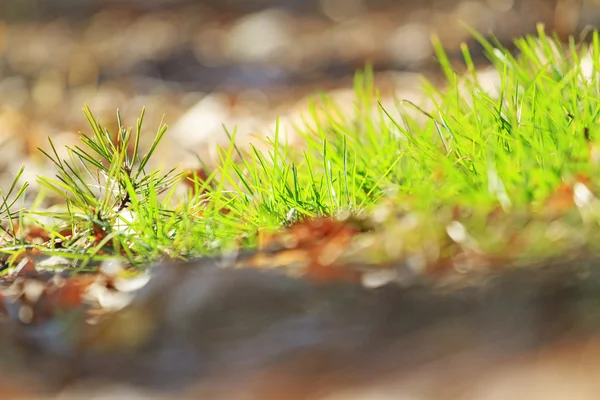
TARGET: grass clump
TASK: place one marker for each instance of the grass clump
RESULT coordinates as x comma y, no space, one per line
489,171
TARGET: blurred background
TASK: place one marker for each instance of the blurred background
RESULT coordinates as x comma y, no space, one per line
241,63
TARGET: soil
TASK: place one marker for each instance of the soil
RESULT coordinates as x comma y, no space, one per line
201,330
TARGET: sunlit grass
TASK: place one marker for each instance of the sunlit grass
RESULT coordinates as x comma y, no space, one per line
467,149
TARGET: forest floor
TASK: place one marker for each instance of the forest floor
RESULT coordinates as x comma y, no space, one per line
455,225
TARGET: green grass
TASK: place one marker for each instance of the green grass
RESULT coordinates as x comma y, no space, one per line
472,174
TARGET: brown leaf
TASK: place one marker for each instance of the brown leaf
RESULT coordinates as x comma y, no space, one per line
70,294
561,200
36,234
194,179
311,248
27,270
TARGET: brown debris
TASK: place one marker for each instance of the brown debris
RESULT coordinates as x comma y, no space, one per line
308,248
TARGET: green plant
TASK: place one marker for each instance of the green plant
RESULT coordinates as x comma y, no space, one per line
461,160
102,180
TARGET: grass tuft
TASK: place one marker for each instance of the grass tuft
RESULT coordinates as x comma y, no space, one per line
488,169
